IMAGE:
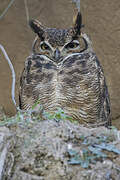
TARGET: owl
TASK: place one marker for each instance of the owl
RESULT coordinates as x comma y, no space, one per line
64,72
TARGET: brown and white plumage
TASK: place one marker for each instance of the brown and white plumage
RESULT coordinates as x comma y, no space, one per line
64,72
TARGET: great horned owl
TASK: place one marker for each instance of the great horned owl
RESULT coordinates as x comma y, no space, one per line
63,71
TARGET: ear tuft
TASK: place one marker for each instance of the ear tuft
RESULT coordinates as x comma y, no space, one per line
78,24
37,27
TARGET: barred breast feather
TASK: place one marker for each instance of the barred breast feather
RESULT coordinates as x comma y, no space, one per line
76,84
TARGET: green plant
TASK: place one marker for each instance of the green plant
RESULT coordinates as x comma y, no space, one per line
57,115
95,149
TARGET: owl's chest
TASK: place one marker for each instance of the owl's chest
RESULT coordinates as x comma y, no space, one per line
66,80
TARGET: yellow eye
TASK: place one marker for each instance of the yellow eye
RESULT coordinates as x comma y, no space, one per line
72,45
44,46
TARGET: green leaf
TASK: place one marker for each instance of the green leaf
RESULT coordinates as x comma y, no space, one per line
85,142
97,151
35,104
72,152
82,137
85,164
74,161
108,147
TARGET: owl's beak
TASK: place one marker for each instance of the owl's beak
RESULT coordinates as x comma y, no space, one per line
57,54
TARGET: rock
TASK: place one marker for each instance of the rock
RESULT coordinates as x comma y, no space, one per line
7,142
47,150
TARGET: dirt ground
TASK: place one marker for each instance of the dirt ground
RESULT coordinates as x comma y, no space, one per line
101,19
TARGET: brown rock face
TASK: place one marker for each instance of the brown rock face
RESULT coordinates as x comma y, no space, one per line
101,19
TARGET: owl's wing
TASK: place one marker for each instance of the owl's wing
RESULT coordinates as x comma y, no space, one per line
21,89
105,100
24,82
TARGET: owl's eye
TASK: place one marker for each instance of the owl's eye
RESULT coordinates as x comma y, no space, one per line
44,46
72,45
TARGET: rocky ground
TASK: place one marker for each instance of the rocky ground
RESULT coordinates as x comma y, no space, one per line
57,149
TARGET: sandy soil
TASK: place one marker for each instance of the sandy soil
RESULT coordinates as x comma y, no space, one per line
101,19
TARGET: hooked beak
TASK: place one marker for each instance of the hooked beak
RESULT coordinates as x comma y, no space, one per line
57,54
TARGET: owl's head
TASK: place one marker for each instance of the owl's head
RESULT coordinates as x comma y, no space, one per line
56,44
